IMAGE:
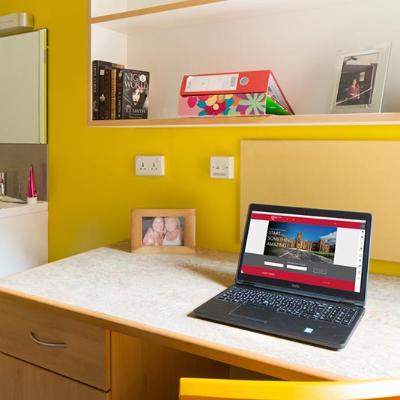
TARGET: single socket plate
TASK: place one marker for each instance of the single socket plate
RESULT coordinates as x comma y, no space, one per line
149,166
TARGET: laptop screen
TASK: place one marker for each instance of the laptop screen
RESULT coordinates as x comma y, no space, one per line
313,250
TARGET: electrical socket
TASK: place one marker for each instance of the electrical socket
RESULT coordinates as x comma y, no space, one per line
222,167
149,166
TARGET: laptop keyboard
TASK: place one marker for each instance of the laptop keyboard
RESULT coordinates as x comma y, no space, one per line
287,304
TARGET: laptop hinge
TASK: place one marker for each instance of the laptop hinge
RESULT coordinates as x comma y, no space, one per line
245,283
353,302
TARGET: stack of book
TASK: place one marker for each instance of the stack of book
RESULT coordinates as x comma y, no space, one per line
232,94
118,92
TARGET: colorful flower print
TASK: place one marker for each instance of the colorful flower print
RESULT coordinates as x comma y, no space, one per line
215,105
192,101
251,104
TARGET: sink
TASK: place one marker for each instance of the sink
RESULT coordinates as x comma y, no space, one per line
9,202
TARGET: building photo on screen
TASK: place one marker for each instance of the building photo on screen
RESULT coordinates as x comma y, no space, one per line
310,250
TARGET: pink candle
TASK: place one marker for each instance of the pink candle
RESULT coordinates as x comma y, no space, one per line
31,183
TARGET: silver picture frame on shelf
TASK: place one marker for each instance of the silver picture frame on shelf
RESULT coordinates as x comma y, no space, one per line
360,81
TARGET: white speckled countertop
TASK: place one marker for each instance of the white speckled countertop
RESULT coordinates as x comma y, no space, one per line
161,290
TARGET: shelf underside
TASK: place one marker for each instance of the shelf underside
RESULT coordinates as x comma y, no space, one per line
174,13
269,120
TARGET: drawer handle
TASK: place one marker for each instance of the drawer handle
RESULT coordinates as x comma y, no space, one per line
47,344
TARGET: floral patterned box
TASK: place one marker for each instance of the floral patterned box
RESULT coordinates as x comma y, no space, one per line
232,94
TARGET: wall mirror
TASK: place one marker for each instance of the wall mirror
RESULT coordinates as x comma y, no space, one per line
23,82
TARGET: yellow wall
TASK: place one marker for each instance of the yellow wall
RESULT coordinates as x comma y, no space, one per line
92,186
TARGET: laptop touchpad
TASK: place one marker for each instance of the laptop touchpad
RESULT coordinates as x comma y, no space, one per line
251,312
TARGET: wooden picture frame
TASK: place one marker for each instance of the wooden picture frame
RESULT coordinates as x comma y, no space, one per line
150,229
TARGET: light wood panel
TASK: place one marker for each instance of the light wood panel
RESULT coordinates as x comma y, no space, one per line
152,10
85,356
23,381
338,175
188,344
145,370
269,120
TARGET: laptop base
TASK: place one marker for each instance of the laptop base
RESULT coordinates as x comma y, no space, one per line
264,320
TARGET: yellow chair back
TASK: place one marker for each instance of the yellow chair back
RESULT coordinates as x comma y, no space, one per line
226,389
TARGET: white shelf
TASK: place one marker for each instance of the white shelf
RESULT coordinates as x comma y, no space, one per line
300,41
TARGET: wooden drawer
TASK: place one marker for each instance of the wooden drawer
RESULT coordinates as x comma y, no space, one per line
23,381
83,350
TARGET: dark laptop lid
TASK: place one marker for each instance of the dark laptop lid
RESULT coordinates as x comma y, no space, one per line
322,253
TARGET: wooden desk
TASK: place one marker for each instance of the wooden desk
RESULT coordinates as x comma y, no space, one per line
143,303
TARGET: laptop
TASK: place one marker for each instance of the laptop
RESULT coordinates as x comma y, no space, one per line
302,274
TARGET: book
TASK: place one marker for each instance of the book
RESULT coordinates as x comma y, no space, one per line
95,106
272,106
101,88
114,93
232,94
225,83
104,93
132,94
98,70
